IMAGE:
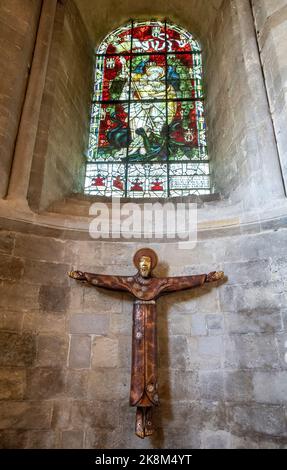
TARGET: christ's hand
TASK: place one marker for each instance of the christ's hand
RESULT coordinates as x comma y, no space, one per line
215,276
78,275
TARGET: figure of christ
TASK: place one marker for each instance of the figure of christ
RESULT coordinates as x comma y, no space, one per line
145,289
149,84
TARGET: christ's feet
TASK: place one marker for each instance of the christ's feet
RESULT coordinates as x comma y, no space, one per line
148,422
140,423
144,424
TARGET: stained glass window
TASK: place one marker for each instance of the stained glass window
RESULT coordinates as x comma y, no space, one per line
148,131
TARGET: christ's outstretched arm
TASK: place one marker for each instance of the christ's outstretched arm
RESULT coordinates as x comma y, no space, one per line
118,283
175,284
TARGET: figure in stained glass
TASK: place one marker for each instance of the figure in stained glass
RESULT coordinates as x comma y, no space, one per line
98,181
137,185
117,183
157,185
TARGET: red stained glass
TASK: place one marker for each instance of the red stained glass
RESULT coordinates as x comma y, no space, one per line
157,186
137,186
98,181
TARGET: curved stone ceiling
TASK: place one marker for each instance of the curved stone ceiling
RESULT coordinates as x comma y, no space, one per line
102,16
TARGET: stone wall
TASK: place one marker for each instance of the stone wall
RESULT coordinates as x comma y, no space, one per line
65,347
240,133
18,28
58,165
271,24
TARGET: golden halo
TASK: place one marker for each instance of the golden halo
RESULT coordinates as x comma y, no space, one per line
145,252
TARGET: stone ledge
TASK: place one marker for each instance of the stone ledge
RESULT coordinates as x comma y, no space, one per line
216,219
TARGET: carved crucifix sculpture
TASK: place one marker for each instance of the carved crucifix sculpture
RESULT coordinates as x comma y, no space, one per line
145,289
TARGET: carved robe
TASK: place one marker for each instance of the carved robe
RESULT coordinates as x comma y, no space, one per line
145,291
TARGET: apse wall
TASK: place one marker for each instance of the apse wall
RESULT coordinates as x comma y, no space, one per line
241,138
17,37
58,162
66,347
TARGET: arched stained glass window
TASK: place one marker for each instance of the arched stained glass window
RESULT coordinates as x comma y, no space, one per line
148,132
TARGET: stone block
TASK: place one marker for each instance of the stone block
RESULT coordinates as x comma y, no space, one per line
178,385
77,384
108,384
39,272
170,324
238,386
264,297
284,319
118,253
240,248
44,323
107,439
175,439
210,346
264,419
256,442
53,298
17,349
11,320
215,440
44,383
95,414
13,439
72,439
61,417
12,384
80,352
25,415
212,415
174,413
76,299
203,300
198,325
174,353
84,254
205,352
281,341
125,351
278,268
247,272
120,324
105,352
89,324
11,268
6,242
18,296
211,385
52,351
41,440
250,351
270,387
214,324
102,302
257,320
41,248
